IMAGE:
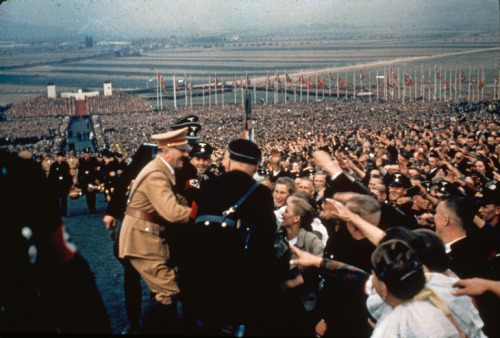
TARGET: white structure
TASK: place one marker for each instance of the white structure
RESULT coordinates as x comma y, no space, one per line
51,91
80,95
108,91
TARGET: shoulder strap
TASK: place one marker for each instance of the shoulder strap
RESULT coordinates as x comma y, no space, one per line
241,200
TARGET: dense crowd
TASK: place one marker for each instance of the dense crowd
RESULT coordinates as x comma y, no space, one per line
406,192
37,135
116,104
42,106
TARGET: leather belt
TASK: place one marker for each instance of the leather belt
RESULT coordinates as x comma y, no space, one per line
137,213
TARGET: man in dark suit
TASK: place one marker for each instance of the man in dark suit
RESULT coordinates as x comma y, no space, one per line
87,175
474,252
60,181
225,272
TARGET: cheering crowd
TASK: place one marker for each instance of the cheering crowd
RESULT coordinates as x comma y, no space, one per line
385,218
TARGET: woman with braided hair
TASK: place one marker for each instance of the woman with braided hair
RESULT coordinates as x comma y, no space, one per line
417,311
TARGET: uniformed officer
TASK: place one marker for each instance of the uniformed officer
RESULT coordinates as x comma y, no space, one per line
226,270
201,160
152,206
73,165
60,181
109,172
88,175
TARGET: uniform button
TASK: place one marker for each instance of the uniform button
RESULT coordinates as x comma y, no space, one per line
223,224
27,233
147,229
207,223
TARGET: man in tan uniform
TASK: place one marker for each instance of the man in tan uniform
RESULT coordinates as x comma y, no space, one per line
151,207
73,165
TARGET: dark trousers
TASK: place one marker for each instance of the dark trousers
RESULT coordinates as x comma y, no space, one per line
90,196
62,202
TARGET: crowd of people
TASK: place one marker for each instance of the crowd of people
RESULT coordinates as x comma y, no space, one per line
379,219
42,106
117,103
38,135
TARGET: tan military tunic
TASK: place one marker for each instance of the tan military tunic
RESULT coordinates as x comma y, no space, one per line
73,167
139,239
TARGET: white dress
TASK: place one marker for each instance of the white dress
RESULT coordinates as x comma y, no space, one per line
415,319
461,308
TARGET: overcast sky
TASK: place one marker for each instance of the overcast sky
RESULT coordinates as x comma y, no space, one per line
151,17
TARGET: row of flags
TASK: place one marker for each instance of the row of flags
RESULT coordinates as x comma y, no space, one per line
391,81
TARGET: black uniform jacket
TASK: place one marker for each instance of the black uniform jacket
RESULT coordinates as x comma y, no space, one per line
219,278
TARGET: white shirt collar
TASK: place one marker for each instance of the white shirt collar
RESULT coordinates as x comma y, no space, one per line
166,163
447,246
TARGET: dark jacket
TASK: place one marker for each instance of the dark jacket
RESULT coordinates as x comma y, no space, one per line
219,279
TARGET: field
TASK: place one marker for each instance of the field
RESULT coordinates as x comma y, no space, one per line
25,72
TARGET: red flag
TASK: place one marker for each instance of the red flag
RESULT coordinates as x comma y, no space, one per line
319,84
438,75
288,78
462,76
340,81
185,83
361,75
248,81
309,84
446,83
267,81
301,79
162,83
235,83
331,77
175,84
277,78
393,75
408,81
481,82
216,81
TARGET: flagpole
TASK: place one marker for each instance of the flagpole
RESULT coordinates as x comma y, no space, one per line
354,84
234,88
468,95
223,84
404,88
323,87
369,86
175,92
191,89
157,93
377,78
330,84
185,89
242,95
286,80
337,86
215,88
267,84
316,87
302,76
203,89
209,91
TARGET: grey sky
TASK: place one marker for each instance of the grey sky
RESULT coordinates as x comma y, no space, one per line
164,17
